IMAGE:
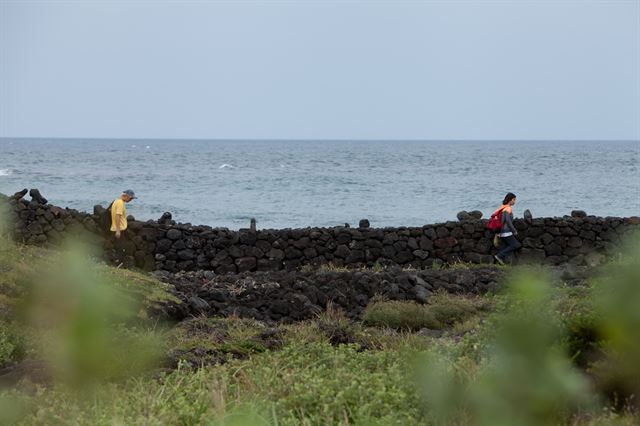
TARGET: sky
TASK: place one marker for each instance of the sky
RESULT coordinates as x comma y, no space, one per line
436,70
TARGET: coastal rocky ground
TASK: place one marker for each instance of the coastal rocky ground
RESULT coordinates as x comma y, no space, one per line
292,274
289,296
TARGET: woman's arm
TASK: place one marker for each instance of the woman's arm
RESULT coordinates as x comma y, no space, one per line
506,219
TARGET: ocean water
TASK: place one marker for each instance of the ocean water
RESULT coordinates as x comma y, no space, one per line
326,183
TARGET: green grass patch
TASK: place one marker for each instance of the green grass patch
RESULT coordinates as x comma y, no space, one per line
442,311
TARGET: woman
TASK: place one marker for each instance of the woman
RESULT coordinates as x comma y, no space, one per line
508,231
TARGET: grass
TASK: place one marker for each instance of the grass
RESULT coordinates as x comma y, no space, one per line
537,355
442,311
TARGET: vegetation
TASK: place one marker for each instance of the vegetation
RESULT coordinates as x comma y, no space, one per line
442,310
534,355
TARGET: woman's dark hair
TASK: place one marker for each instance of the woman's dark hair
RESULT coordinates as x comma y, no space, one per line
507,198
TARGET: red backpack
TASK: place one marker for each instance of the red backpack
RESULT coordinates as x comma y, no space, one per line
495,221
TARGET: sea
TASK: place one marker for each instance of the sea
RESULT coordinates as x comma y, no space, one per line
302,183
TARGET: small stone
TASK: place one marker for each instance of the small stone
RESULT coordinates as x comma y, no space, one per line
37,197
364,223
163,245
476,214
174,234
275,254
594,259
165,219
186,254
198,304
578,213
463,215
421,254
18,195
421,293
246,263
528,217
342,251
574,242
35,228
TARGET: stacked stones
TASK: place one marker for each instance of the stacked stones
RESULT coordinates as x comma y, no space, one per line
578,239
36,222
545,240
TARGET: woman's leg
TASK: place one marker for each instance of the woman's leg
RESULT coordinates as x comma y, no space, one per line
510,244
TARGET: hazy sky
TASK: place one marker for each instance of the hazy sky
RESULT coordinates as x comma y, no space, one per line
321,70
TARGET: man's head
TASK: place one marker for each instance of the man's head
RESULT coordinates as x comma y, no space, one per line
128,195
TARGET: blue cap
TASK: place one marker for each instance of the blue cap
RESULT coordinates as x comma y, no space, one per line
130,193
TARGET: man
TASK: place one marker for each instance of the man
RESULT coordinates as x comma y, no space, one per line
119,225
119,212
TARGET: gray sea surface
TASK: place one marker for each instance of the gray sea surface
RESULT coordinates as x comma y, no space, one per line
326,183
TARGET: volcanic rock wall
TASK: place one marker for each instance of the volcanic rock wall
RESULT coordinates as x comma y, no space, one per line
578,239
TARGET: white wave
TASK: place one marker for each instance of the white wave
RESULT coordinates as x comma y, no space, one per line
133,146
226,166
5,172
148,147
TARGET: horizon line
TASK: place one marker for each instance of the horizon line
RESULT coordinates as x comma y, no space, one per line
93,138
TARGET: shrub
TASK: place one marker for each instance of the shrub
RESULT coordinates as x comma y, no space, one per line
11,344
443,310
400,315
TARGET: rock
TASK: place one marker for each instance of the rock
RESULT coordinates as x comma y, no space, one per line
355,256
574,242
421,254
165,219
569,272
98,210
421,294
163,245
476,214
445,242
342,251
578,213
198,305
35,228
174,234
403,256
528,217
463,215
275,254
20,194
246,263
553,249
594,259
186,254
236,252
37,197
532,256
364,224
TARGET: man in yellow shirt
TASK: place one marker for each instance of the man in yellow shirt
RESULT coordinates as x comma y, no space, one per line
119,212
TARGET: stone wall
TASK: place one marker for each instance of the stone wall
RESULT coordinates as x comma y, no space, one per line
577,239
